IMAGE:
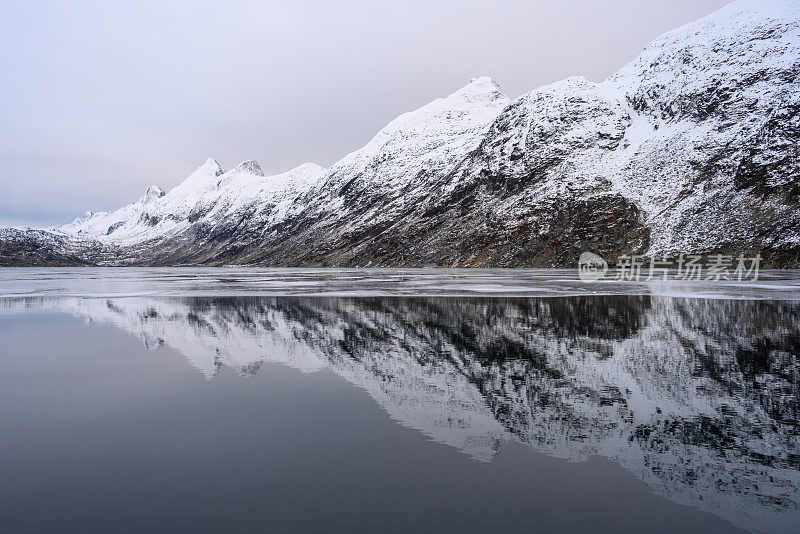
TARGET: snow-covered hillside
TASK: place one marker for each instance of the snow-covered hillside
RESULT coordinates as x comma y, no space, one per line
208,195
693,147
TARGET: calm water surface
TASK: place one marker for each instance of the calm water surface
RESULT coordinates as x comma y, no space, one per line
192,402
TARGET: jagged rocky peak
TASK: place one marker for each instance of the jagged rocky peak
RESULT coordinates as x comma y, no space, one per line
250,166
480,89
85,217
211,165
421,142
152,193
205,175
473,105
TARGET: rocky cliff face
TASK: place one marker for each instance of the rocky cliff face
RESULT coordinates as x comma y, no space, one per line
700,399
691,148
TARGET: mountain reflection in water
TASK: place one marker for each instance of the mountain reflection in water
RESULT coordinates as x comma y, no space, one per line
697,398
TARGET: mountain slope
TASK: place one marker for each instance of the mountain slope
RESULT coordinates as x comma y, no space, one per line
208,195
690,148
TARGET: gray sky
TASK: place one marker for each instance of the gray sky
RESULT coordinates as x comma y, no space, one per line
102,99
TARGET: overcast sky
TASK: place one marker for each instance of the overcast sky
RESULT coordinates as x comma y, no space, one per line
102,99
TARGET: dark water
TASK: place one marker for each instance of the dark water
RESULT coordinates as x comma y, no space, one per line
624,413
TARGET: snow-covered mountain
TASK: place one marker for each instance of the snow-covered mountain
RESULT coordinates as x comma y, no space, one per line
700,399
691,148
208,195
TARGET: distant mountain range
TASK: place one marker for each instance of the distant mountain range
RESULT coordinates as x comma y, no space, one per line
694,147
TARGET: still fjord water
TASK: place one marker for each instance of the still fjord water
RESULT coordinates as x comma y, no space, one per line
626,410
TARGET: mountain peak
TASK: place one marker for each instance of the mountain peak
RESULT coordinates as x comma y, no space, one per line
309,167
85,217
480,89
483,81
152,193
250,166
745,48
213,166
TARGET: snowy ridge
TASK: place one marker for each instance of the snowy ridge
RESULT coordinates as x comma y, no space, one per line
392,172
207,195
427,139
